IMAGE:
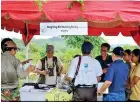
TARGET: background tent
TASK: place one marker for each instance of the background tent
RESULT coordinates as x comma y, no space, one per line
110,17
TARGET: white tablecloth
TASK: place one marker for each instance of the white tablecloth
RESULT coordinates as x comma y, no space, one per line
28,93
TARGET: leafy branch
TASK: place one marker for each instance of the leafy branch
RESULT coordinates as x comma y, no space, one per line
39,3
78,1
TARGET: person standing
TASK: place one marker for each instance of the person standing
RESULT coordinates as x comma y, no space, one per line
11,69
127,58
104,59
88,75
116,77
135,76
49,67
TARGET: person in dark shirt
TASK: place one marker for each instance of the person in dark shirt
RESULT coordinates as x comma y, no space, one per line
104,59
116,77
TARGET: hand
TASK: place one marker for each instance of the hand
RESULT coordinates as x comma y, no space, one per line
128,86
104,70
63,72
99,93
26,61
45,72
31,68
7,93
108,65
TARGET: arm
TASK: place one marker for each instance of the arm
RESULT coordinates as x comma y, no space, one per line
136,76
109,78
104,70
26,61
128,84
68,79
19,69
98,71
61,66
71,72
41,72
38,69
98,78
134,81
105,86
62,70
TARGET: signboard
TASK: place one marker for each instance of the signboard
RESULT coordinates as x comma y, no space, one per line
63,28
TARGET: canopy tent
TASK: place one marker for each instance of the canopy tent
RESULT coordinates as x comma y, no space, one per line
110,17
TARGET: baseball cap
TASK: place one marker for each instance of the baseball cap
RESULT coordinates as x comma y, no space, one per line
118,51
49,48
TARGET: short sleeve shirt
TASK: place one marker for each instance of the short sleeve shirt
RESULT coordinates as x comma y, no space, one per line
104,64
117,73
89,70
136,89
50,80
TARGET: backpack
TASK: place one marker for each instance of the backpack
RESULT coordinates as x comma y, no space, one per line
42,77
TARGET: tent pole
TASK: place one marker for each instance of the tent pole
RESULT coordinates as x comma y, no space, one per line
27,55
27,49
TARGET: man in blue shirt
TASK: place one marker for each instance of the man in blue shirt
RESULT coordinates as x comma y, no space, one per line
116,78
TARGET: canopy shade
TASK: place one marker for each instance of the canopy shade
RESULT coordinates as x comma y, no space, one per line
102,16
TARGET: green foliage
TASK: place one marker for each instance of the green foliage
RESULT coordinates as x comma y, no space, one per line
78,1
36,52
39,3
131,47
67,55
65,48
21,55
20,44
76,42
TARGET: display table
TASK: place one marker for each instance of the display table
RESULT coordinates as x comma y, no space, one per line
29,93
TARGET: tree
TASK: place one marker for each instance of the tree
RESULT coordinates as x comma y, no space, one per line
36,52
67,55
131,47
76,42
